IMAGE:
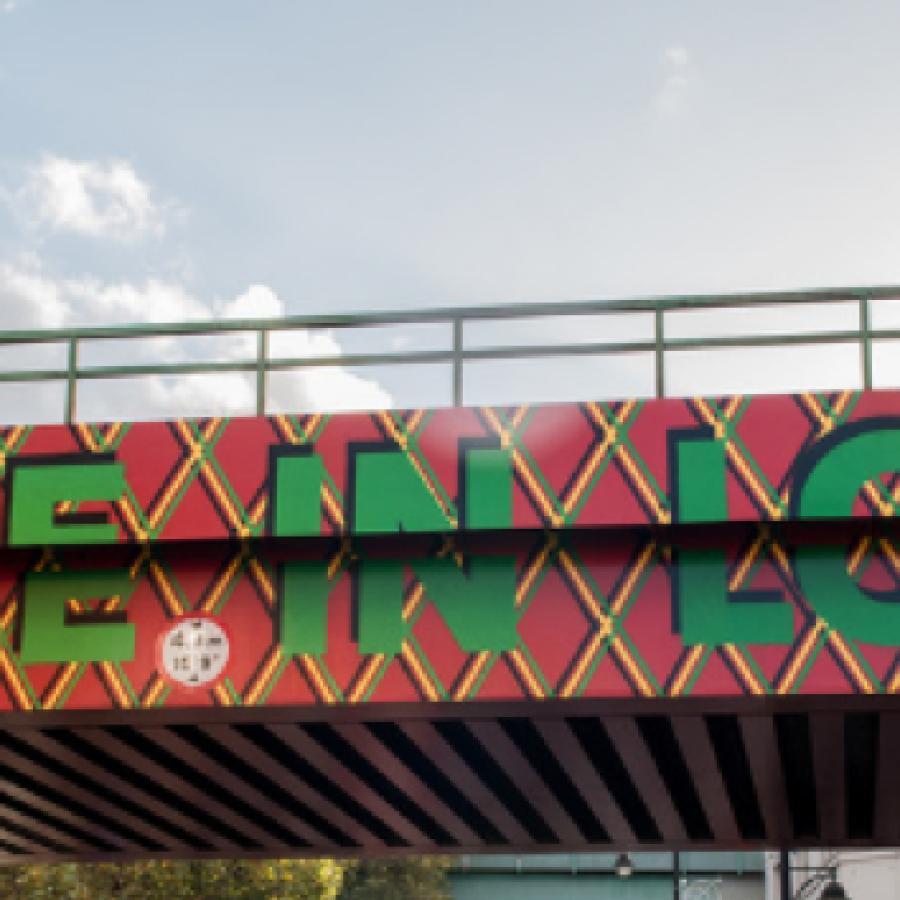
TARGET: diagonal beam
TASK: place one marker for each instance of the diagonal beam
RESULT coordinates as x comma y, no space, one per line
697,750
290,783
429,741
827,734
407,781
78,761
629,744
761,744
559,738
498,744
302,744
154,772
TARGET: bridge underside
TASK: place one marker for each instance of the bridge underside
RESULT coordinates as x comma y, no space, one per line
541,777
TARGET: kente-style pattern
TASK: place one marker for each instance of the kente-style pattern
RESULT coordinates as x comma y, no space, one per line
575,465
595,607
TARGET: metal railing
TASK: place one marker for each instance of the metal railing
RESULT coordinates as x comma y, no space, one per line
459,352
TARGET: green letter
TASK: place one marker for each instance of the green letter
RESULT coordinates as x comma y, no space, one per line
48,638
297,494
707,612
488,499
390,494
477,602
36,489
304,607
843,466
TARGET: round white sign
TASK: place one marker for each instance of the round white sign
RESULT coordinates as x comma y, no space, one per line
194,651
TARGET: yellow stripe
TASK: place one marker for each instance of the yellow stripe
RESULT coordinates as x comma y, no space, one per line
223,581
524,669
222,695
169,596
858,554
686,670
627,586
851,662
311,425
259,684
312,668
15,683
663,516
8,615
259,574
415,597
334,507
475,667
415,420
419,673
207,473
87,438
258,510
125,507
584,592
59,684
625,657
112,432
155,690
733,406
531,573
114,682
587,656
748,674
587,472
518,417
371,668
746,563
826,423
800,658
287,432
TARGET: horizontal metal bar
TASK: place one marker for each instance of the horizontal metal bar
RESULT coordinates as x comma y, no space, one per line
91,373
35,375
446,315
482,354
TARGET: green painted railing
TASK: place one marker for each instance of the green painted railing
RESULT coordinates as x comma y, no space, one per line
458,352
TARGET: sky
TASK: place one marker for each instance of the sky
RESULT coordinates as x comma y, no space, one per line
165,161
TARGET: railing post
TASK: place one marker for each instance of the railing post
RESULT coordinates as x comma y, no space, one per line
865,340
660,356
457,361
71,396
262,353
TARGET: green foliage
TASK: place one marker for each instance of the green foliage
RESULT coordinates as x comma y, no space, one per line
286,879
410,879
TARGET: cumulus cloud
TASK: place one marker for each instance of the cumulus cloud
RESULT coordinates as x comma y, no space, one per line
91,198
32,298
678,76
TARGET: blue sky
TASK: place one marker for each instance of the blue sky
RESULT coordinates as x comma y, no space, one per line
173,160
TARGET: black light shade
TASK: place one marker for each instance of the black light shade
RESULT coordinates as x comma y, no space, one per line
834,890
624,866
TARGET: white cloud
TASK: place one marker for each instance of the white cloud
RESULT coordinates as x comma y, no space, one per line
7,5
91,198
678,78
31,298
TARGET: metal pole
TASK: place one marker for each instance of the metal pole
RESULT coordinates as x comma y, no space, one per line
865,341
262,351
676,875
784,874
457,362
660,356
71,381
